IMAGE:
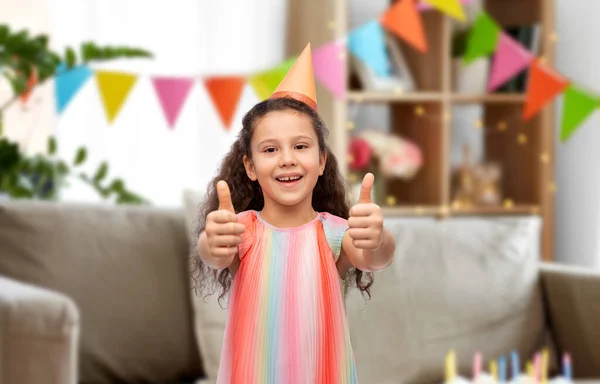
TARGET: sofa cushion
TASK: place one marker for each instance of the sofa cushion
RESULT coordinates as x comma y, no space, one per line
125,268
462,284
210,316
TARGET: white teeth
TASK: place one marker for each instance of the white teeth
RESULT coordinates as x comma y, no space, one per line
291,178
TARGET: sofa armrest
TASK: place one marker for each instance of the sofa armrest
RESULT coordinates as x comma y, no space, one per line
39,334
572,295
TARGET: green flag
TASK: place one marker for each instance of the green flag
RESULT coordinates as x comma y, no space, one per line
578,105
264,83
483,38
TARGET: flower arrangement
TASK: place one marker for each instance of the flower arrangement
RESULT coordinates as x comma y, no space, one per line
396,157
386,155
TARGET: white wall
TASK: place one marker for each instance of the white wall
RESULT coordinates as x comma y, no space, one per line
577,231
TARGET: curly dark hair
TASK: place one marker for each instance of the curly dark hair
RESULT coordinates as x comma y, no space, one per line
329,194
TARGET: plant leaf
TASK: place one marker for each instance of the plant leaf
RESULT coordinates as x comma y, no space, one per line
51,145
101,172
70,57
80,157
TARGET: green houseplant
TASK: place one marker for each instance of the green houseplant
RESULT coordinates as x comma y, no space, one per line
41,176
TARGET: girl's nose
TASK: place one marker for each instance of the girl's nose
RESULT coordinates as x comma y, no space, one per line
287,159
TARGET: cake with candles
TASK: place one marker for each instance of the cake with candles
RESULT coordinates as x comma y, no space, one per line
503,371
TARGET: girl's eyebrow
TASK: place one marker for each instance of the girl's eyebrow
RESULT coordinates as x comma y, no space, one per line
274,140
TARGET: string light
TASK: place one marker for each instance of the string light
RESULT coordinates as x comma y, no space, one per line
508,203
332,24
350,125
419,210
478,124
444,211
419,110
502,126
553,37
522,138
544,158
552,187
398,90
391,200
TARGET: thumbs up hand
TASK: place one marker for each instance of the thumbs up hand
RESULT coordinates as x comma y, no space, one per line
223,232
366,220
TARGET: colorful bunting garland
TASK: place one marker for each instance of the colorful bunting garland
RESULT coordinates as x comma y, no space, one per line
368,44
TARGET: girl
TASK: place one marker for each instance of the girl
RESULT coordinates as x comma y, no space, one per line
287,255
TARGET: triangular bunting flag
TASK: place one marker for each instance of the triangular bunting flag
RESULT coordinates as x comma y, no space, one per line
114,88
543,85
367,43
577,107
423,5
172,93
67,83
509,60
264,83
330,68
225,93
449,7
483,38
404,19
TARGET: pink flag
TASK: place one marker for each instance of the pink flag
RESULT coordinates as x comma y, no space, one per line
510,59
329,67
172,93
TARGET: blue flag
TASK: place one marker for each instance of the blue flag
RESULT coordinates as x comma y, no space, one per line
68,82
367,43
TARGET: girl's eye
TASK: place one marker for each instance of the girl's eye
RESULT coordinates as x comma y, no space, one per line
301,146
269,149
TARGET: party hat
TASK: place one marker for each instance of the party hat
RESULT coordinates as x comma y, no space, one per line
299,82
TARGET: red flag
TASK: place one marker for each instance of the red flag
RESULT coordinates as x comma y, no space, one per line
225,93
404,19
544,85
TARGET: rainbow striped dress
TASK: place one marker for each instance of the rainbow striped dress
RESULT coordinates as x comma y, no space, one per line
287,319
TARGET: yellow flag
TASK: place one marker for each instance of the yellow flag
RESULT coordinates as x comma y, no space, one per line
450,7
114,88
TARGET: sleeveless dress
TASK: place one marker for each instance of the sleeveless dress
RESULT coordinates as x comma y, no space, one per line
286,320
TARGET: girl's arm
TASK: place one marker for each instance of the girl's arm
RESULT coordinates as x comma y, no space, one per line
367,260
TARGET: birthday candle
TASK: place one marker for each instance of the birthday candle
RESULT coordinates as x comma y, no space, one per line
514,359
494,369
544,372
537,361
567,368
450,366
502,369
529,368
476,366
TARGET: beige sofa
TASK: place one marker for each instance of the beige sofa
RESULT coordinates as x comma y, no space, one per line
98,294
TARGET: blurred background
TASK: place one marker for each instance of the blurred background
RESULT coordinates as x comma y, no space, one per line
477,117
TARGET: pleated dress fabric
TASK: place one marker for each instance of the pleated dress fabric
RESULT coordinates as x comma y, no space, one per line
287,319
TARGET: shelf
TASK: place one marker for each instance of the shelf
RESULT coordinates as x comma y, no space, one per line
443,211
391,96
523,209
488,98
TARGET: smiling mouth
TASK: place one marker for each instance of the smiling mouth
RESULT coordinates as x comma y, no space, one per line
288,179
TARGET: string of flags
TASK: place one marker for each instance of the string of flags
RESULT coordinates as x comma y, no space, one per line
366,43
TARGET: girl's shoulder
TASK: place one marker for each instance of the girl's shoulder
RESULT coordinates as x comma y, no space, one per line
329,219
246,217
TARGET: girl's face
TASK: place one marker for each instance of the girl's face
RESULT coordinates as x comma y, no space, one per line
286,159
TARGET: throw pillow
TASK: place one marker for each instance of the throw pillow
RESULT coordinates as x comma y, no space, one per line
209,316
